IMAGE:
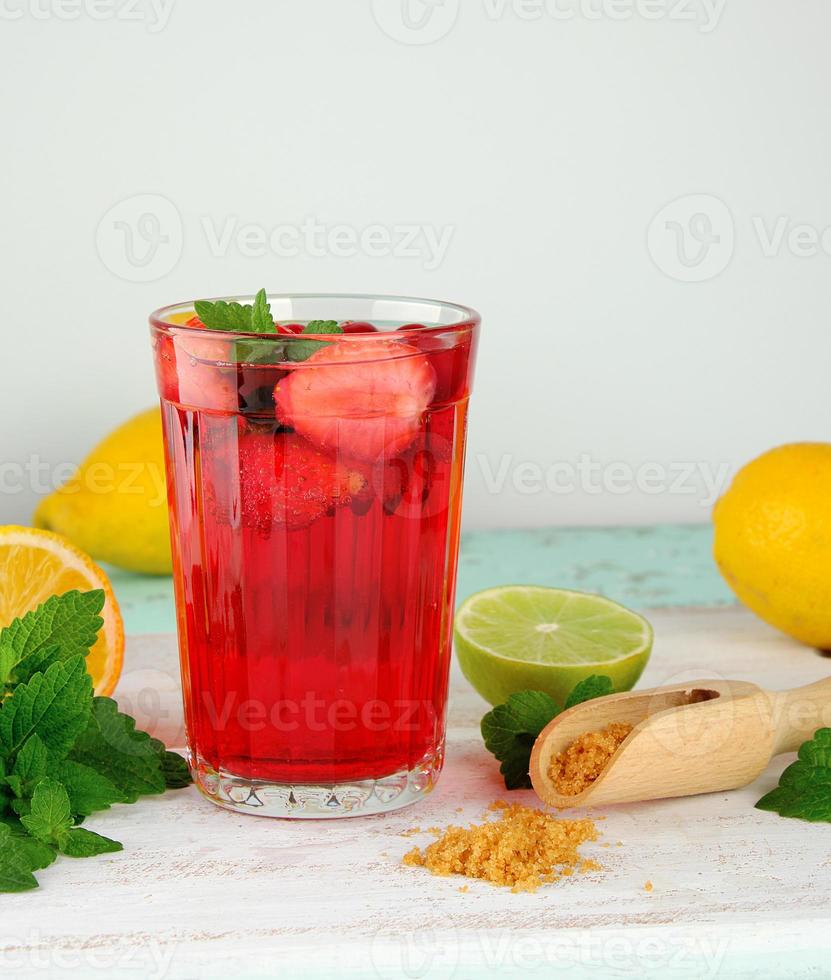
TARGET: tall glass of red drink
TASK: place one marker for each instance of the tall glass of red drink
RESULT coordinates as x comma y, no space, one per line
314,484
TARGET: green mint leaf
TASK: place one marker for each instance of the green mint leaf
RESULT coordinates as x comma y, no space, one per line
14,875
301,350
261,319
32,760
7,815
525,713
113,747
22,805
80,843
8,660
220,315
50,816
15,784
596,686
804,790
54,705
6,795
35,663
64,626
11,821
88,790
15,866
510,729
175,770
258,352
36,854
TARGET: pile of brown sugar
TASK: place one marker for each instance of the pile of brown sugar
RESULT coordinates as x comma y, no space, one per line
576,768
522,849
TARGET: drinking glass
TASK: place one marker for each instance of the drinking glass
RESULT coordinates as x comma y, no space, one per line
315,487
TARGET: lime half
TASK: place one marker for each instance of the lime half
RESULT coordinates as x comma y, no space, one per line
527,637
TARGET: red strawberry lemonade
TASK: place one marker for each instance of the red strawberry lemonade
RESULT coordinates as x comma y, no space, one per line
315,452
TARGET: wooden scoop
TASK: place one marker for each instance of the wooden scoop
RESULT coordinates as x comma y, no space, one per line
686,739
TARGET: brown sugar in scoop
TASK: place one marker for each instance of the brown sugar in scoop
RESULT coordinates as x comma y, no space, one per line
578,766
690,738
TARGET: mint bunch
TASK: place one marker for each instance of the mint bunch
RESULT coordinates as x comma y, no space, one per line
804,789
511,729
256,318
64,754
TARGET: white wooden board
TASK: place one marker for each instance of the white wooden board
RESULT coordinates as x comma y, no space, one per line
199,892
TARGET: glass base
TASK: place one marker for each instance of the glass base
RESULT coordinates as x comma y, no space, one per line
316,801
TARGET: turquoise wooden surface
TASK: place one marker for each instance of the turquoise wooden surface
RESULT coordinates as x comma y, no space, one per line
645,567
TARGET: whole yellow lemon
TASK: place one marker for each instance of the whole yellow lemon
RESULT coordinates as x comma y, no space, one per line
114,507
773,539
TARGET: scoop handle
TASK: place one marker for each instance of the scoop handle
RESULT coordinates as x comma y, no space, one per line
797,714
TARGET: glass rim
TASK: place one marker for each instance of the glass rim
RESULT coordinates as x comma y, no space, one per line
470,318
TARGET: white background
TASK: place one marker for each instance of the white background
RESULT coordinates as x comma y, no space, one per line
546,144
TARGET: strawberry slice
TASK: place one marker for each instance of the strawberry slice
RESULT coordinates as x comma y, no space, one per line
194,370
282,480
364,398
206,377
165,360
413,484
